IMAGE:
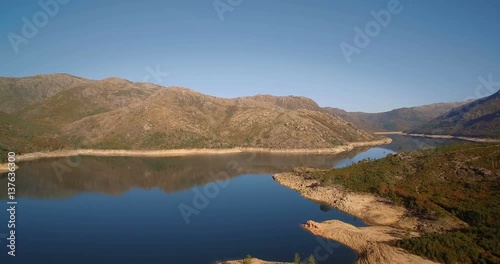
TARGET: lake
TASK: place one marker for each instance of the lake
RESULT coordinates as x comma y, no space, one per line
191,209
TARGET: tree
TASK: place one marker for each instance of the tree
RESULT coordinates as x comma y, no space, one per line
248,259
296,260
311,260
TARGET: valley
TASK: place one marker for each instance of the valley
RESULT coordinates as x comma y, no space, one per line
250,132
52,120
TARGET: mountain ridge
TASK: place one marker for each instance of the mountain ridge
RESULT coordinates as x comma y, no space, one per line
480,118
399,119
115,113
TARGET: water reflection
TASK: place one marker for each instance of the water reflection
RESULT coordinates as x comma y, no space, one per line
407,143
325,207
126,209
54,178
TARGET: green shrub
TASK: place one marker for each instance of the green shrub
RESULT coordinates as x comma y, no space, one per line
458,180
248,259
296,260
311,260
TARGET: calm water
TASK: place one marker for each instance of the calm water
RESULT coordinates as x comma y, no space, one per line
196,209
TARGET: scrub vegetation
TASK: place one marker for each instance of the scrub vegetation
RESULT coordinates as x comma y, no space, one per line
461,180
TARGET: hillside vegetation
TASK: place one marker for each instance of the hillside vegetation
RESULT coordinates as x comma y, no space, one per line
480,118
86,99
17,134
400,119
60,111
461,180
17,93
177,118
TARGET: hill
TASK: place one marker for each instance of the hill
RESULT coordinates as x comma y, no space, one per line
400,119
60,111
182,118
480,118
287,102
86,99
16,133
17,93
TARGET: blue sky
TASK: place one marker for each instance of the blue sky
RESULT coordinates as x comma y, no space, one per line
431,51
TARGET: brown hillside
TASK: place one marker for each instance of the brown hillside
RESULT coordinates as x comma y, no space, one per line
86,99
17,93
58,111
181,118
395,120
287,102
480,118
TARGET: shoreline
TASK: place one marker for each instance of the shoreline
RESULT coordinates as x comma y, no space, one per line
188,152
385,222
251,261
401,133
4,167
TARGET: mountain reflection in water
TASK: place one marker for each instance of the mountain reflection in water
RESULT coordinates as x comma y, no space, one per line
64,177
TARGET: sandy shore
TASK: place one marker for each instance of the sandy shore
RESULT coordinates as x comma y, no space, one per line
389,133
387,221
186,152
252,261
481,140
4,167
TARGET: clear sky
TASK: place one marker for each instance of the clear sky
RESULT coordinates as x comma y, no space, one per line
430,51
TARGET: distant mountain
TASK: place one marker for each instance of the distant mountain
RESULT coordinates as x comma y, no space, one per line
480,118
57,111
395,120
